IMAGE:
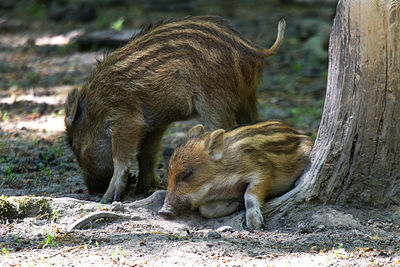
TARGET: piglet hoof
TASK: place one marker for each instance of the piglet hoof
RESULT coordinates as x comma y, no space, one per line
104,201
109,196
166,211
108,200
254,219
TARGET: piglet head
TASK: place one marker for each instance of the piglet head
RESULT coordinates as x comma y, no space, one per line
191,170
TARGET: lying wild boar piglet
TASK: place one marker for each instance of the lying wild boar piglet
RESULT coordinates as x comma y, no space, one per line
194,66
216,172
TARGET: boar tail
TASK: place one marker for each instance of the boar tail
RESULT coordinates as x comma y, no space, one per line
274,48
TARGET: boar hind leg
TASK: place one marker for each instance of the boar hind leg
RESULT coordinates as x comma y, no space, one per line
253,199
219,208
216,115
125,141
147,159
248,111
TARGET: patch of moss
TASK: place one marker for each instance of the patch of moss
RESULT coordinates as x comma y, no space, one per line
32,207
7,210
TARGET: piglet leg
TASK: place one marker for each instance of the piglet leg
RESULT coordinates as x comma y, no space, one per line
219,208
253,198
147,160
125,140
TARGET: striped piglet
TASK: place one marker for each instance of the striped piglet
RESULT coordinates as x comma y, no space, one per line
219,171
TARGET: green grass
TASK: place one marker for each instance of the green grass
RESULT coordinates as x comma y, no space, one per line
5,251
49,240
37,10
54,215
11,177
117,25
4,116
45,167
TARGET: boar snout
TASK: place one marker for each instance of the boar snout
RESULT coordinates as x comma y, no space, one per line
167,211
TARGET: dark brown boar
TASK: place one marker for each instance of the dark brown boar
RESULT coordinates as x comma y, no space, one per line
219,171
195,66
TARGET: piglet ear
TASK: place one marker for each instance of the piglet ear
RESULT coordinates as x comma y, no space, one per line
215,144
74,107
195,131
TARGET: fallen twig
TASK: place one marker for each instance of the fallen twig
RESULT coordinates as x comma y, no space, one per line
95,216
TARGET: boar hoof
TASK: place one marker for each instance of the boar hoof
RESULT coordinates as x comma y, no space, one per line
254,219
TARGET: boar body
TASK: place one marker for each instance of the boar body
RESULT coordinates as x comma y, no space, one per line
220,171
195,66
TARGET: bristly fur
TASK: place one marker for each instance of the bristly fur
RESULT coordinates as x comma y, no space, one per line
243,124
155,25
170,71
144,30
246,164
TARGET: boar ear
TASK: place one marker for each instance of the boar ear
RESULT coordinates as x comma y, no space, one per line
215,144
195,131
74,107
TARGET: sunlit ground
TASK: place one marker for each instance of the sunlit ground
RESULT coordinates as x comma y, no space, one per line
16,119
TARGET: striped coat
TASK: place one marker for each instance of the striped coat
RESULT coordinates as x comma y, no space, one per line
194,66
219,171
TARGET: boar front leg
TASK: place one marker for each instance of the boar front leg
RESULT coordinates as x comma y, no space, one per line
125,140
147,159
219,208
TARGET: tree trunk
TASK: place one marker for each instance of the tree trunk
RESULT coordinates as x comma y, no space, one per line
356,157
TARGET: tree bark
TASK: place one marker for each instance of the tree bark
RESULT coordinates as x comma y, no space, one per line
356,157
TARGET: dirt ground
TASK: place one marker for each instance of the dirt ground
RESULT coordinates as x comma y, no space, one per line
57,222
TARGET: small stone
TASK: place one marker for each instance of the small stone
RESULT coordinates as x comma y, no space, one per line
136,218
321,228
117,206
303,228
213,234
224,229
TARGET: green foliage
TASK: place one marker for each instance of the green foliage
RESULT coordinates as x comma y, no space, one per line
54,215
7,211
117,25
5,251
85,246
293,42
16,238
297,66
11,177
4,117
38,10
35,111
33,78
72,65
45,168
338,250
102,21
34,207
49,240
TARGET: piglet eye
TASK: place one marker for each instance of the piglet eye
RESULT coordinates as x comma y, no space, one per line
186,174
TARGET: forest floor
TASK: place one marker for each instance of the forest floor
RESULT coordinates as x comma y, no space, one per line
53,220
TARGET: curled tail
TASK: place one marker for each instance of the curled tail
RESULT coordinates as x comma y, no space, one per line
274,48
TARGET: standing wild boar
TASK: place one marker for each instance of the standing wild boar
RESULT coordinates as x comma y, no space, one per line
194,66
216,172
